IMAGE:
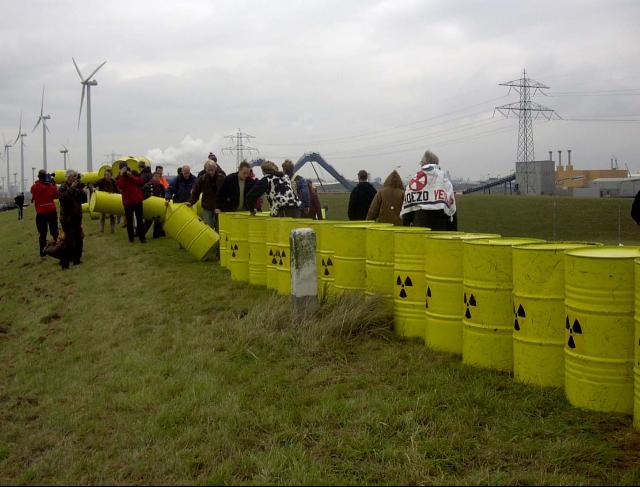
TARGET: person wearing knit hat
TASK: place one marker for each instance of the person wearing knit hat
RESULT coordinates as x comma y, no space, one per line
277,185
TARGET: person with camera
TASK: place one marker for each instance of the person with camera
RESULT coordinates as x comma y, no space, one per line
130,185
71,196
42,194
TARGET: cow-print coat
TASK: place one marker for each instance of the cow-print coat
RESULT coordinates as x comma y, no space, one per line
279,192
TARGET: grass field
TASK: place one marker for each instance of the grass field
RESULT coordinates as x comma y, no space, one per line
141,366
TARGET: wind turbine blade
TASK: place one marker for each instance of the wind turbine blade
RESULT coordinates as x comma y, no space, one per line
81,102
36,125
96,70
42,104
19,129
47,127
77,69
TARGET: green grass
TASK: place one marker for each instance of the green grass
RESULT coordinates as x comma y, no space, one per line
141,366
584,219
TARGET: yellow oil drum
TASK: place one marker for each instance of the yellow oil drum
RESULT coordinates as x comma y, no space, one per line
59,176
487,321
351,257
89,177
443,280
224,225
538,312
239,247
379,263
154,207
109,203
193,234
197,208
131,162
599,328
103,169
92,214
257,235
272,251
636,341
408,280
319,227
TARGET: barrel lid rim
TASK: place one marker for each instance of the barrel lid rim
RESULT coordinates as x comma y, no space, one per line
464,236
503,241
568,245
632,252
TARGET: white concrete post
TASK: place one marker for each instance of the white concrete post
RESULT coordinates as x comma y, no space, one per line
304,278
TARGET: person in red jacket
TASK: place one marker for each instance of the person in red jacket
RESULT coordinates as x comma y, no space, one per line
43,193
130,185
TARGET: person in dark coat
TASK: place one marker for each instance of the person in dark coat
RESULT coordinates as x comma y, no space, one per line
315,211
43,194
361,197
130,184
72,196
236,186
19,200
277,185
154,188
208,185
180,189
386,206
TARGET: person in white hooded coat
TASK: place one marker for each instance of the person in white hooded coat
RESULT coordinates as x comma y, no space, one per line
429,200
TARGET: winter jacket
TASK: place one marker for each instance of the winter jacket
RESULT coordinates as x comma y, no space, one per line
109,186
180,189
229,194
429,190
360,200
130,186
301,188
71,200
386,205
43,195
19,200
279,192
209,186
153,188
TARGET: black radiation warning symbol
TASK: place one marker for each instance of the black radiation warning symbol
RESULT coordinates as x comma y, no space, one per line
518,314
326,266
469,302
575,328
274,261
282,255
426,301
407,283
233,250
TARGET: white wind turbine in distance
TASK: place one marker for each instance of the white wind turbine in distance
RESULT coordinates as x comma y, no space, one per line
43,118
64,154
21,137
87,83
6,160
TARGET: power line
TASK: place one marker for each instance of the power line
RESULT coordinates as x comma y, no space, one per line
240,148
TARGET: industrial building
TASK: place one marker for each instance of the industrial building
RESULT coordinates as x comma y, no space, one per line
569,178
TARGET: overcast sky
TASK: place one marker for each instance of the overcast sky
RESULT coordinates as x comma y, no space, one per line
367,84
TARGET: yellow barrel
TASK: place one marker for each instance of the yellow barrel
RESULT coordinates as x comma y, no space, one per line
488,302
89,177
102,170
408,280
59,176
186,228
379,263
443,281
92,214
131,162
599,328
538,312
351,257
153,207
109,203
319,227
257,236
272,251
636,341
224,225
197,208
239,247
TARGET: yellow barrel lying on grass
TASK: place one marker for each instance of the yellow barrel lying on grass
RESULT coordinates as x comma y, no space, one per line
109,203
599,328
351,256
224,225
379,263
408,279
538,312
257,235
193,234
154,207
92,214
239,247
443,281
488,302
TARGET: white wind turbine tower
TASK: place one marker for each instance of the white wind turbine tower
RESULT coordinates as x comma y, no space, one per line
87,83
64,154
6,159
21,137
43,118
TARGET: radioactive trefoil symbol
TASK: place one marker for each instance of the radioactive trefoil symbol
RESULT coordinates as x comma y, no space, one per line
234,248
274,261
518,314
326,264
282,255
573,328
469,302
426,301
407,283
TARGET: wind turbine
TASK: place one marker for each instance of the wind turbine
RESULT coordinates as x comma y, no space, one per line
21,136
6,158
64,154
43,118
87,83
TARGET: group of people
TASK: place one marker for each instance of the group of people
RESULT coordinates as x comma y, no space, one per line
427,201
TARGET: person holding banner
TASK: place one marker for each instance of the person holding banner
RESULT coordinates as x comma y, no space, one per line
429,200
